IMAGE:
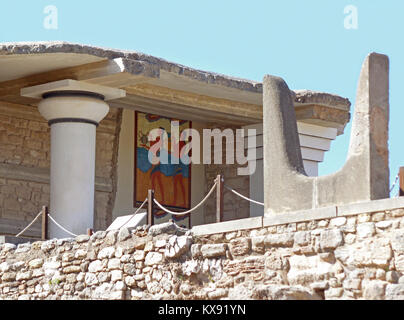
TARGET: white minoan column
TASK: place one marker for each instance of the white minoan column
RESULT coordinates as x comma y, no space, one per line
73,111
73,119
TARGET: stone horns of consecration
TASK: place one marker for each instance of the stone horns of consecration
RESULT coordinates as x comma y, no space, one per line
365,174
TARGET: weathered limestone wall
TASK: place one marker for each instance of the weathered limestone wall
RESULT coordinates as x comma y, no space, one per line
25,163
234,206
354,257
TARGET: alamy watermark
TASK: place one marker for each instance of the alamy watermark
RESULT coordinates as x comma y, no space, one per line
161,153
50,21
351,17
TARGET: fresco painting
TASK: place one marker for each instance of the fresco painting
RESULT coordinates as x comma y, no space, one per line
170,181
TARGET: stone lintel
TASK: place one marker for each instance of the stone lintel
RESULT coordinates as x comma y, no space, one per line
370,206
300,216
72,85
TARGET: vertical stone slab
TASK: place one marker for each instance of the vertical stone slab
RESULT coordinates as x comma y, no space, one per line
365,174
379,125
286,187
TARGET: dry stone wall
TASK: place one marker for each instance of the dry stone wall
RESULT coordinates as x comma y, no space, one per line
355,257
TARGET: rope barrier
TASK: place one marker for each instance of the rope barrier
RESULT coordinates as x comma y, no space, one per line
244,197
29,225
161,207
169,211
190,210
65,230
138,209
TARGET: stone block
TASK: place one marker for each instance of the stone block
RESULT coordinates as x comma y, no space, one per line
116,275
123,234
8,276
308,269
176,246
82,238
139,255
140,243
71,269
373,290
302,238
258,244
107,252
331,239
282,292
392,277
352,284
163,228
95,266
333,293
196,250
370,252
337,222
110,238
399,262
114,264
160,243
153,258
395,292
276,240
129,268
240,246
213,250
91,279
274,262
365,230
384,224
35,263
397,241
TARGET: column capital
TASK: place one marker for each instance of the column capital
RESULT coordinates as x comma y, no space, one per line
72,86
72,101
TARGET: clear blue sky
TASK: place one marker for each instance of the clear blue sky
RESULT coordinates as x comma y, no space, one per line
304,42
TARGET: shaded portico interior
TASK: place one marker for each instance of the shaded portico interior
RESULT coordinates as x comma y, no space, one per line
152,85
